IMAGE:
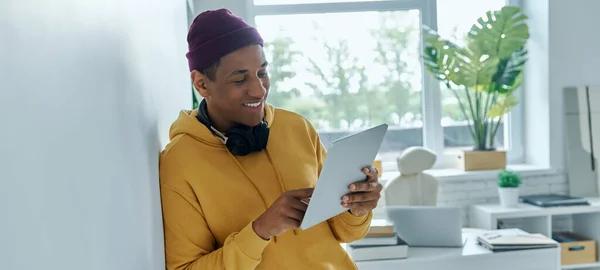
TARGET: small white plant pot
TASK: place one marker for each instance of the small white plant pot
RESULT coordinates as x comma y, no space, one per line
509,197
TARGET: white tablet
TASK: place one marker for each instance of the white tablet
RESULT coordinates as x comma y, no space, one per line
343,166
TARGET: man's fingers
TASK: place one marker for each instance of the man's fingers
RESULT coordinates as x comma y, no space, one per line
292,223
370,205
371,173
361,197
365,186
295,214
303,193
298,204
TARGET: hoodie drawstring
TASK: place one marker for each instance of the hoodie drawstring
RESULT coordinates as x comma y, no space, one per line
262,197
279,178
277,174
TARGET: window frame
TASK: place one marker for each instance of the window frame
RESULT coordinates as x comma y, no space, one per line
431,106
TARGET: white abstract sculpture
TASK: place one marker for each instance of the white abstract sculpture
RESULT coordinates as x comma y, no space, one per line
413,187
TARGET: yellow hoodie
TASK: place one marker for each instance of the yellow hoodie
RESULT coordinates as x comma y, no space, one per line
210,198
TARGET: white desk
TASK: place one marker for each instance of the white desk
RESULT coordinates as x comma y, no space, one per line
471,256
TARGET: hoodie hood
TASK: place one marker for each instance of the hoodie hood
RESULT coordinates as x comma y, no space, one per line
188,124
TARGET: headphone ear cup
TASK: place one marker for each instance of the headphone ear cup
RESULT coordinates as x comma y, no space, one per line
240,140
261,136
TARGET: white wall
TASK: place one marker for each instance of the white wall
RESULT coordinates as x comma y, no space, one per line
574,53
87,91
562,54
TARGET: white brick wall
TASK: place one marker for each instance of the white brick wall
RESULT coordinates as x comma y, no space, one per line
473,190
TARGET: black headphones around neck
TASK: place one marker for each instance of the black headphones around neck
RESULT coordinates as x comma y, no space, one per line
240,140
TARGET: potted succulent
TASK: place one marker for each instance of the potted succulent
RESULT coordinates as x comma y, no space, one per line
508,188
483,76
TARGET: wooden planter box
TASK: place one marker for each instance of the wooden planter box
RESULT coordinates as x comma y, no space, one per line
469,160
378,165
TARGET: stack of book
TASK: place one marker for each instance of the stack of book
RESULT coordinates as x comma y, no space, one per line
381,228
553,200
514,239
380,243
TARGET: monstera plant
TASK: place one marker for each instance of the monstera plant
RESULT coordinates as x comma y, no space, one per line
484,73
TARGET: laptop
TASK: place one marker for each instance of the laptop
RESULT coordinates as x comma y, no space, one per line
427,226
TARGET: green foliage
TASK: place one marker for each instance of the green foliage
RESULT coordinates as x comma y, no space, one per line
483,74
280,70
396,94
337,85
509,179
341,90
195,99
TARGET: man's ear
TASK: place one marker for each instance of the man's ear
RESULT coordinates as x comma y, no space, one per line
200,81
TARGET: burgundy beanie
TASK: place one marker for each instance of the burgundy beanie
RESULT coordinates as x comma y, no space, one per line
216,33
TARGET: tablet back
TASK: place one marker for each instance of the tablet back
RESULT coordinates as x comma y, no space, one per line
343,166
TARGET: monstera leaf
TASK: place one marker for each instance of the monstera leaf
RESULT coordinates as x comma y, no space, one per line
500,33
476,71
503,105
438,58
462,66
510,69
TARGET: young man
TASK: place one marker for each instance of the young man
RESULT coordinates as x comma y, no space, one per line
237,172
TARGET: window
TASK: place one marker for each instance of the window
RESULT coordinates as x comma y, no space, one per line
456,28
348,65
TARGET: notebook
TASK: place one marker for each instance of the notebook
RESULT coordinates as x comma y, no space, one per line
514,239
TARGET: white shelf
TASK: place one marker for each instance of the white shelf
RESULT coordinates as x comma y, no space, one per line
581,266
527,210
534,219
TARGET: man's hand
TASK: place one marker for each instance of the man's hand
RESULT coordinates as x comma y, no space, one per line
364,195
286,213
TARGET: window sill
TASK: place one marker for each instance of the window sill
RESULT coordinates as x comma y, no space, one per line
447,175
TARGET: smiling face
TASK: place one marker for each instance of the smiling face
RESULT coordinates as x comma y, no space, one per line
236,91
